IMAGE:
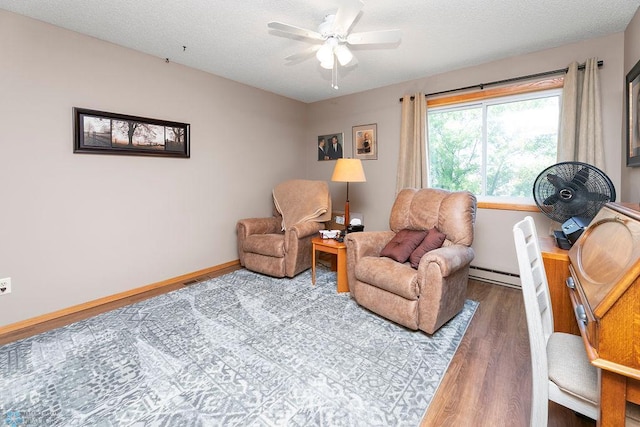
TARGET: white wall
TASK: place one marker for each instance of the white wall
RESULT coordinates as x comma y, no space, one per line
631,182
76,227
494,241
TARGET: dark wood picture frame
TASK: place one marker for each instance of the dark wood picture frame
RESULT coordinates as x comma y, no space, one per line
100,132
632,95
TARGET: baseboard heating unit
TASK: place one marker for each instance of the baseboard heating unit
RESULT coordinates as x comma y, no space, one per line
494,276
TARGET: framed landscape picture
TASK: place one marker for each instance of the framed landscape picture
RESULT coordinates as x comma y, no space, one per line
365,142
330,146
100,132
633,116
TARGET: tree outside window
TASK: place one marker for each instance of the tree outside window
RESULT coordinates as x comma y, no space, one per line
496,147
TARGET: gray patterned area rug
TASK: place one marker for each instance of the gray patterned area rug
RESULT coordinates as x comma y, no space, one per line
239,350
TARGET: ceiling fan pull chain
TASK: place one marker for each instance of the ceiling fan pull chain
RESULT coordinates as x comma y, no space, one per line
334,75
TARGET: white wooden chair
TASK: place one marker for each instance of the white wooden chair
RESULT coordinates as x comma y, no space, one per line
560,369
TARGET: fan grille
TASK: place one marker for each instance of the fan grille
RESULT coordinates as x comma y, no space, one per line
570,189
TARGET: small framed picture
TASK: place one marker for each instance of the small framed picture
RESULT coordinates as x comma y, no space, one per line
365,142
330,147
633,116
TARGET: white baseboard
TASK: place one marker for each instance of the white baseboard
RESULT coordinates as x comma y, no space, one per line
494,276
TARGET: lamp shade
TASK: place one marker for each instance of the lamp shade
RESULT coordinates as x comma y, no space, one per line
348,170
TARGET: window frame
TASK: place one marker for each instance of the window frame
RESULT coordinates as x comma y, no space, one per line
549,84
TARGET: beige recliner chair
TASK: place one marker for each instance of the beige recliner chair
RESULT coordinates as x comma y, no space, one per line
280,246
428,296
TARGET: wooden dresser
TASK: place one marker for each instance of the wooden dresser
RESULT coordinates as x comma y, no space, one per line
604,288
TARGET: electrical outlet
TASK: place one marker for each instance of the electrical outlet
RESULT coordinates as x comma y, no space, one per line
5,286
339,219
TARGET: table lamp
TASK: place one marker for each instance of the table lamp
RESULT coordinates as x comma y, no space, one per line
348,170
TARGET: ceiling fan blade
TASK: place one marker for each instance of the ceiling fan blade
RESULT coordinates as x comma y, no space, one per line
307,53
345,16
375,37
297,31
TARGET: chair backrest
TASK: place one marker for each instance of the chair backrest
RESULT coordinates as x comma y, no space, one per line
538,310
452,212
300,200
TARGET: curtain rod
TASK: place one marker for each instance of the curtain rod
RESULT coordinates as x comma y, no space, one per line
511,80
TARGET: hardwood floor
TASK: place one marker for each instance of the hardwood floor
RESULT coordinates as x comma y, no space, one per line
489,380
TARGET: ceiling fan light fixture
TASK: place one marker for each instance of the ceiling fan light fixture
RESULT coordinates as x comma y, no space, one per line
328,65
325,53
333,38
344,54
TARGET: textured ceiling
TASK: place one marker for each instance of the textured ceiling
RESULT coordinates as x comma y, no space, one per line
231,38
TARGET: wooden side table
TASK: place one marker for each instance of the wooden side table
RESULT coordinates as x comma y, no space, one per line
556,264
332,247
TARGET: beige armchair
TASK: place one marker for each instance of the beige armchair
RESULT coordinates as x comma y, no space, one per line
280,245
428,296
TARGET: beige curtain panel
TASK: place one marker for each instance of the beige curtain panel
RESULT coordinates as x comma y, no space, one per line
580,136
412,160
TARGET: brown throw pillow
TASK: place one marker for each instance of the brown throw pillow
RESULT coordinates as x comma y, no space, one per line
403,244
434,240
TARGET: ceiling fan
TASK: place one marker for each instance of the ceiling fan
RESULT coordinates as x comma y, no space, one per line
332,39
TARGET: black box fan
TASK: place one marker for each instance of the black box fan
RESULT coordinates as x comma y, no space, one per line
572,193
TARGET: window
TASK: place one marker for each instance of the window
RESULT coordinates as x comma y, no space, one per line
494,147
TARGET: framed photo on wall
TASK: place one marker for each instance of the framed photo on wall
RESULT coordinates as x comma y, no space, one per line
633,116
365,142
99,132
330,146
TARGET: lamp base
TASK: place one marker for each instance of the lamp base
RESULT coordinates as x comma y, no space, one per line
346,216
